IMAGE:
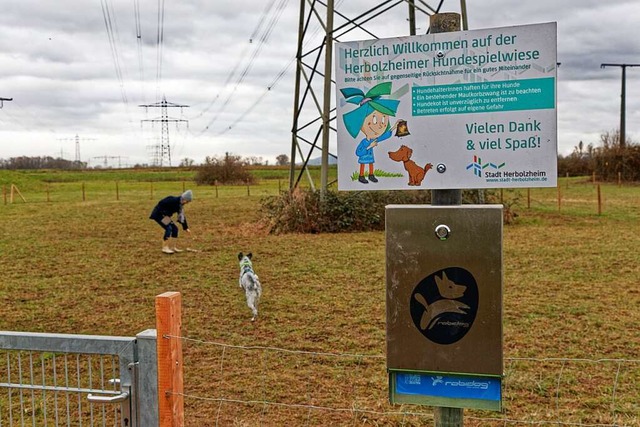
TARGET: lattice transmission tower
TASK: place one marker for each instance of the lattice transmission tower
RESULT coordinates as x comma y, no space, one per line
161,152
76,140
313,109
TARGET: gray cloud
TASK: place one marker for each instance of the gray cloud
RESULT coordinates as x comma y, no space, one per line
58,65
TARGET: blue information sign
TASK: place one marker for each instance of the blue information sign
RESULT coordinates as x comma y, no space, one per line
486,388
463,391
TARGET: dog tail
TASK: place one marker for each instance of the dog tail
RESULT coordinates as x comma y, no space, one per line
428,167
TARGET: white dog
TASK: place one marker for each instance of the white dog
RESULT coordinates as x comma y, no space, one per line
250,283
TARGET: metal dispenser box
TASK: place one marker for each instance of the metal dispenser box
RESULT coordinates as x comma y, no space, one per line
444,305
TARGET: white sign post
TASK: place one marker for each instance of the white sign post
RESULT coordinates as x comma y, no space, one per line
469,109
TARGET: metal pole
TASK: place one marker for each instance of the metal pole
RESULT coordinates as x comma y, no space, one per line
463,12
4,99
326,110
623,135
623,132
296,98
412,18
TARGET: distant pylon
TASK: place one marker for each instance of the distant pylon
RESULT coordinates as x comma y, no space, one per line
77,140
162,152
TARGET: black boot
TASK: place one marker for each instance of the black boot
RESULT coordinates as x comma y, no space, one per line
372,178
362,179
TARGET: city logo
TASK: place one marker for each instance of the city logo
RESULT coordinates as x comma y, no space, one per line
444,304
477,166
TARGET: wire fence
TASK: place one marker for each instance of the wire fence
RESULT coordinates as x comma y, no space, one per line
128,191
259,385
571,196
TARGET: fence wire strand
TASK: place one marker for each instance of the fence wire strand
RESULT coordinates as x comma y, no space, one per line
310,405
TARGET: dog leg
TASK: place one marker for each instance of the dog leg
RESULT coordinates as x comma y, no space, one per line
251,303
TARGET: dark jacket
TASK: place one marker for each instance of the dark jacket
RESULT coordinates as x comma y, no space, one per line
167,207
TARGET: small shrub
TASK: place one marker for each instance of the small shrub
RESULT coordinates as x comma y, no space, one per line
229,169
303,211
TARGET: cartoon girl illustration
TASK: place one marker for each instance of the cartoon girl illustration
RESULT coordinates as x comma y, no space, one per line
372,119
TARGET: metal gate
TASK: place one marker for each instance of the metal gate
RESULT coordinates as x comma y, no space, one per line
79,380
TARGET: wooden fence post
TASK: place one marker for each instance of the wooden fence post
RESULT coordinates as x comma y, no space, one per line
528,198
48,198
559,198
151,190
117,191
83,195
216,183
445,23
619,179
170,371
15,189
4,193
248,192
599,201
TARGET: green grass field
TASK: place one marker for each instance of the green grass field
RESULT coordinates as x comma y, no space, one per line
94,266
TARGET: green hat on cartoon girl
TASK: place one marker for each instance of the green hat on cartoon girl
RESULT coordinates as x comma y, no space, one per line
367,103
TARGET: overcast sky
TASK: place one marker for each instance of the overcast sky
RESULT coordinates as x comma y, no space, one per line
83,68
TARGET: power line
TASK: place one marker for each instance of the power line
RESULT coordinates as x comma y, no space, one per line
160,46
241,57
109,24
136,12
264,37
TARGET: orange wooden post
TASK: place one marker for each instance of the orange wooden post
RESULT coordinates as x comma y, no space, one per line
83,196
559,198
216,189
48,198
528,198
170,373
599,201
117,191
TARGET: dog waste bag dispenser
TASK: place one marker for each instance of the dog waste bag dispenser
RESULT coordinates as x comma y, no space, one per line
444,305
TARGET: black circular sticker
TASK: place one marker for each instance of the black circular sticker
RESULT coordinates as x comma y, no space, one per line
444,305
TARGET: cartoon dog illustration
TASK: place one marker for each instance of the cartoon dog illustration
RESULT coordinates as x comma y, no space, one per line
416,173
449,290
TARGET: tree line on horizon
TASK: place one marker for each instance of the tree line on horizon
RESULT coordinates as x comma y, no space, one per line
609,160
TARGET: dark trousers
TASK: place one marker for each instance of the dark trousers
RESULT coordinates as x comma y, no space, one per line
170,230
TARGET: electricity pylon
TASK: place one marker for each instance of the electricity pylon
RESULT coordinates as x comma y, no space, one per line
106,158
77,140
162,151
312,109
